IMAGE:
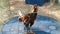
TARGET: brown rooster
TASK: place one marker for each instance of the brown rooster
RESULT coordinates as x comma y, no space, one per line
29,18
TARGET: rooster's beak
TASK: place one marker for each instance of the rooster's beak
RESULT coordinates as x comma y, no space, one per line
21,19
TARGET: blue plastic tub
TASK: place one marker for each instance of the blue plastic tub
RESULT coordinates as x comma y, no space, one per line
38,2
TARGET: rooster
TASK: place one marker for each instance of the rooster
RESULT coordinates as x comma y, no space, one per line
29,18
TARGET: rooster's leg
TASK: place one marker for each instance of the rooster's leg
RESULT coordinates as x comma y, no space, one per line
31,30
31,27
26,28
26,31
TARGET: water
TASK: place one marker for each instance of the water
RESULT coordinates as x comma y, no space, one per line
42,25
